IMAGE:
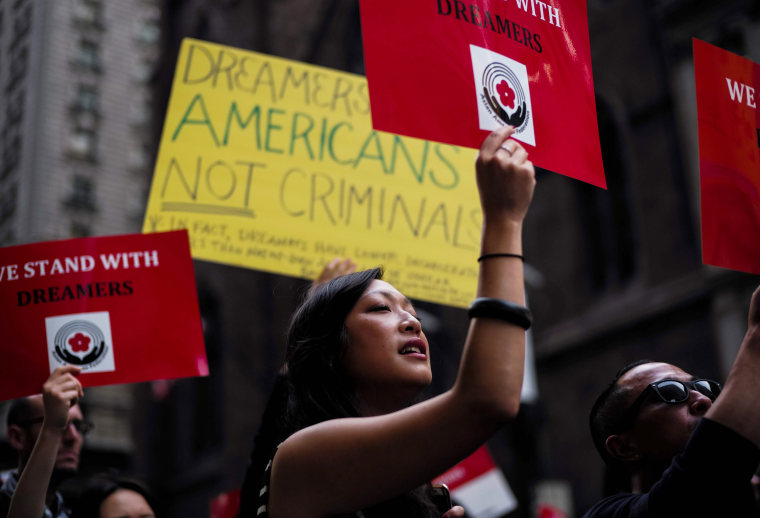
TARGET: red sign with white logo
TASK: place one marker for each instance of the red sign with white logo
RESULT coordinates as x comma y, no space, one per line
477,484
728,93
123,308
452,71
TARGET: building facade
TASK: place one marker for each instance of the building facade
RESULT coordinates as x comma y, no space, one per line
75,119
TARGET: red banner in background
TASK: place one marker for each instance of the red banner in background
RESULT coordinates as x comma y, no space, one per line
478,485
452,71
123,308
225,505
728,92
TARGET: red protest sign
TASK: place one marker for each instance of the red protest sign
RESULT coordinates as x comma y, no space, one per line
452,71
123,308
225,505
477,484
729,157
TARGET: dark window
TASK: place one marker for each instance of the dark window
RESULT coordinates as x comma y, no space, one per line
148,32
87,98
79,229
8,204
11,151
22,22
82,194
17,66
89,13
88,55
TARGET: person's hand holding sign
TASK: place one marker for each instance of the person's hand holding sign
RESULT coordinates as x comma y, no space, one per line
505,177
60,395
60,392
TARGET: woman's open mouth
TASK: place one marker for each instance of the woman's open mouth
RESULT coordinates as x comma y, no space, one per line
415,347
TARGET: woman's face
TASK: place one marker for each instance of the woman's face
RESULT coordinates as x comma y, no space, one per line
387,355
125,503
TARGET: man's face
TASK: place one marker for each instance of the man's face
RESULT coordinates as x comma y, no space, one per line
661,430
70,446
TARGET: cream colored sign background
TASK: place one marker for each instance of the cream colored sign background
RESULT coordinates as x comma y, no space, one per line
273,164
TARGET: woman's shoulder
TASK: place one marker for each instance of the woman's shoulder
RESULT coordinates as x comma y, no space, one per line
263,494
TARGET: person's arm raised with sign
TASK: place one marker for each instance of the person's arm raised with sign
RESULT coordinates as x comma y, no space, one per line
350,436
60,393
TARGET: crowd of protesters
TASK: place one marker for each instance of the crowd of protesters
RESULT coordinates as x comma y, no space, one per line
344,432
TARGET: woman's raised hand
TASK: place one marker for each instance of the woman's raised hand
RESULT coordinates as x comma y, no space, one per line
505,177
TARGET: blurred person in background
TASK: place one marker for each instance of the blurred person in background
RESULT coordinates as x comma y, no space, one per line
51,448
113,496
60,439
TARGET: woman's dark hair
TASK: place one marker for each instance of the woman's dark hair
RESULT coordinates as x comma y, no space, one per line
319,387
312,386
103,485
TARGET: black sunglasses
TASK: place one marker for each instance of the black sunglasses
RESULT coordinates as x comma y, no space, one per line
671,392
80,425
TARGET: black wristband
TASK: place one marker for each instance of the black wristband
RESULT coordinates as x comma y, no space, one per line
501,310
490,256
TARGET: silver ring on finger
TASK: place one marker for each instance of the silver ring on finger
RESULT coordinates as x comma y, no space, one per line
505,148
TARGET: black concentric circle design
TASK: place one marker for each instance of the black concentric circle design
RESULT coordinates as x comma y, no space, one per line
493,75
70,329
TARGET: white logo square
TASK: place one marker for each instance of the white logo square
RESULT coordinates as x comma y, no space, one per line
82,339
502,93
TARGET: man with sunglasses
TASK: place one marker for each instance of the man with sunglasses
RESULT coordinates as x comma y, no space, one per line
685,451
56,419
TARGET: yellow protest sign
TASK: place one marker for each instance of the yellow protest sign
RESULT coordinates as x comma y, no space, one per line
273,164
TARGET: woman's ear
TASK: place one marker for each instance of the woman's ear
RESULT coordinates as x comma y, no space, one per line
622,448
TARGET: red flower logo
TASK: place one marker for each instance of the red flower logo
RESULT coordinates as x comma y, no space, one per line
506,94
79,343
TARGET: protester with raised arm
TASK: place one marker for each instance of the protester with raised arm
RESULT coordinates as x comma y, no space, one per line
342,435
47,431
689,446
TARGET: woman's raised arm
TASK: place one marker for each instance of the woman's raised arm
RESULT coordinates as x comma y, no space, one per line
342,465
491,372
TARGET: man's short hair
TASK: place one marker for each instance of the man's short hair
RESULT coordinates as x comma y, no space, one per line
19,411
607,411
